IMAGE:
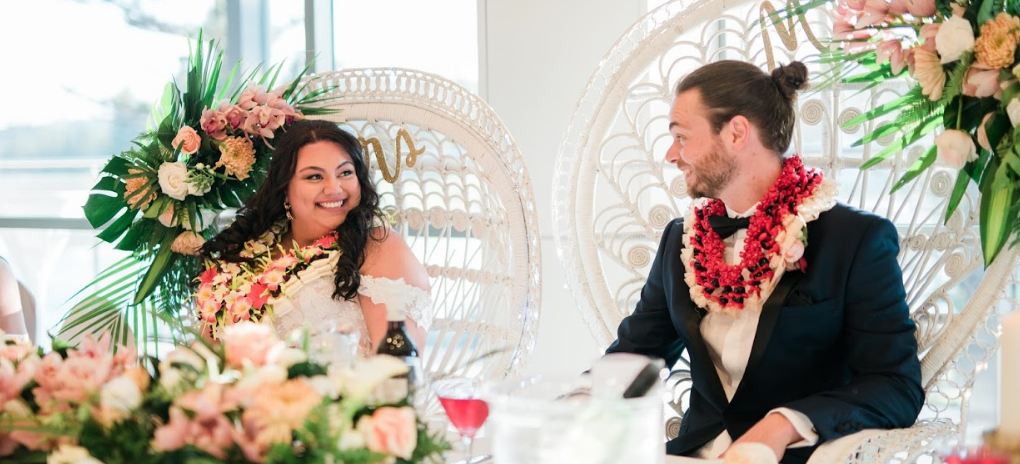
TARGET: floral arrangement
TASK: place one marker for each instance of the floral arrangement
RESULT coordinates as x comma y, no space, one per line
962,57
248,398
229,293
209,151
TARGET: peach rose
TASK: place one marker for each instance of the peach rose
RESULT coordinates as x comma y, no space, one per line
187,243
391,431
187,140
249,341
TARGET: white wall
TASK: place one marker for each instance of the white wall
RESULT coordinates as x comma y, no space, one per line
536,57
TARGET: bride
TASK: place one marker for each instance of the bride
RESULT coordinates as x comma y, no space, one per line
312,245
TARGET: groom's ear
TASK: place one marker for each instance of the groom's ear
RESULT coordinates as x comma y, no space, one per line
737,132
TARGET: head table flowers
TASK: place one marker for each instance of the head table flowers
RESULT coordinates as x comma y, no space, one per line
960,58
248,398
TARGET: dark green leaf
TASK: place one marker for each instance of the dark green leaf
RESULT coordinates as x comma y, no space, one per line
915,169
101,208
114,230
164,259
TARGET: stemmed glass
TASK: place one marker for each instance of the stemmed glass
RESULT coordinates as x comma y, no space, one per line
466,411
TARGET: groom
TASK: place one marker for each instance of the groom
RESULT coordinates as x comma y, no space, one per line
791,343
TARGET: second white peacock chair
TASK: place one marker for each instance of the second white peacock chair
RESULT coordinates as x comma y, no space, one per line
455,184
613,196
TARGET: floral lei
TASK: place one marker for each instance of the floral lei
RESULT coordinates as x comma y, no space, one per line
776,237
229,293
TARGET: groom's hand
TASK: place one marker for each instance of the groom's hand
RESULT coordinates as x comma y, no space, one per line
774,431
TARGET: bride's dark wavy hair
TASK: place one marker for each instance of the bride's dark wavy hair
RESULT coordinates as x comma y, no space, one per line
265,207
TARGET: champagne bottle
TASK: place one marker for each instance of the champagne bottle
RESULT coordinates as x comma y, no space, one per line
398,343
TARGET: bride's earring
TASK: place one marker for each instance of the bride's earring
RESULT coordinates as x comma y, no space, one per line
286,206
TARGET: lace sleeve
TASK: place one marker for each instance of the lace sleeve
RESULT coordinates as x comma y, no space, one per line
417,302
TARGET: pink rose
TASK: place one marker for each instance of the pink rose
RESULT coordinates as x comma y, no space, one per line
981,82
214,123
249,341
955,148
391,431
187,140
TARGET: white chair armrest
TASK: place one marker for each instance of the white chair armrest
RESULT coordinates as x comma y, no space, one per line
881,446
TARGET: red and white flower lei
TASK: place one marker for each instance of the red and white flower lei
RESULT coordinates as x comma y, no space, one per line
776,237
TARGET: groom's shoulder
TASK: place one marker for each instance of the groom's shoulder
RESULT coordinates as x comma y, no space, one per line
850,219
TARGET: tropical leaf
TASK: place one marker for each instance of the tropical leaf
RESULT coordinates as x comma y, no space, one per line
915,169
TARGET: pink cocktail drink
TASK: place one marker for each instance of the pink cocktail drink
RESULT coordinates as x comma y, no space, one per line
466,414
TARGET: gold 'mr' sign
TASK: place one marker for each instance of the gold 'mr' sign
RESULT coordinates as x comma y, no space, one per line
373,145
768,15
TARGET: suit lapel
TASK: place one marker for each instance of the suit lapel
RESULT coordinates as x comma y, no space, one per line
767,323
701,364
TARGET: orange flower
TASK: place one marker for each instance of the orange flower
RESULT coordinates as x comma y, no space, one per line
929,73
238,155
997,42
133,185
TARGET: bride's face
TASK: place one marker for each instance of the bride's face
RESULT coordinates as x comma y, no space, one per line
323,190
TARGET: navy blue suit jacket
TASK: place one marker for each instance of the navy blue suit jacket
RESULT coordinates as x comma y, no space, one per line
840,348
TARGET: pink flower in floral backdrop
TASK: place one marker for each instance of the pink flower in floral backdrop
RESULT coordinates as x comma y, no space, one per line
263,121
921,8
981,82
391,431
982,134
857,5
214,123
278,409
252,96
899,7
929,73
235,116
875,12
891,51
251,342
211,433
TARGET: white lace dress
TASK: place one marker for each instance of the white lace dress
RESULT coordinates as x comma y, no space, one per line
309,302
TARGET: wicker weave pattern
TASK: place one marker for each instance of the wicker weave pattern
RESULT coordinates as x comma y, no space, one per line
613,196
465,206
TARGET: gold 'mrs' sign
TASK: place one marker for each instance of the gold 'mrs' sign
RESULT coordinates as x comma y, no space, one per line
372,144
786,32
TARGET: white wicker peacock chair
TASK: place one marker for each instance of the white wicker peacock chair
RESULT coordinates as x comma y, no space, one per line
455,183
614,195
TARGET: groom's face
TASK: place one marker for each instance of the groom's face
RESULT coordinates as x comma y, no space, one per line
697,149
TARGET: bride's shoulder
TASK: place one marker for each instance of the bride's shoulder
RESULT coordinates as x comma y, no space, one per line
388,256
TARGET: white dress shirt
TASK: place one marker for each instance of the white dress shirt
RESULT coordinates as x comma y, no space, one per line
729,340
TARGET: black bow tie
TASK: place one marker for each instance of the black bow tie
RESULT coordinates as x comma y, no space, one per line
726,226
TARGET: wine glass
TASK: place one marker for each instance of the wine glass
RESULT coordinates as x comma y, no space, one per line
466,411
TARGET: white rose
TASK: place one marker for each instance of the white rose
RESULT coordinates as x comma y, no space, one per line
955,36
120,394
955,148
70,454
171,179
1013,110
